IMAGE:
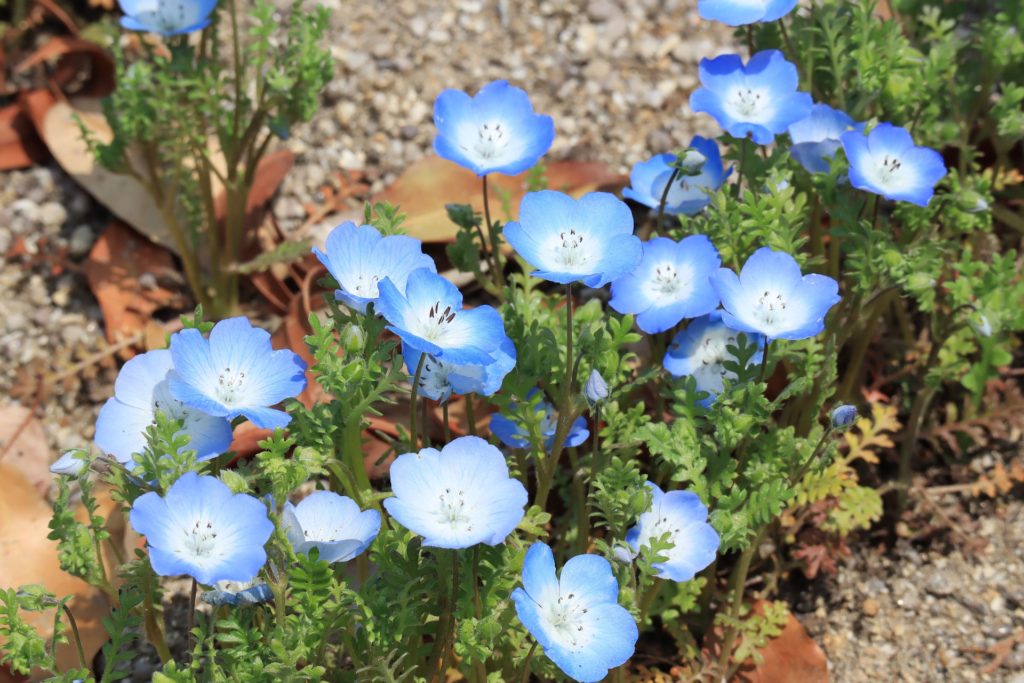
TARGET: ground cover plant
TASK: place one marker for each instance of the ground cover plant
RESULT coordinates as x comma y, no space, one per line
668,396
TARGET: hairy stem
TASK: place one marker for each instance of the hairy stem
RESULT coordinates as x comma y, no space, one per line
412,401
565,413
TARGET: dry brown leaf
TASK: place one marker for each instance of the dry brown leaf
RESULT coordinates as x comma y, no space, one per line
20,146
23,447
113,269
792,657
426,186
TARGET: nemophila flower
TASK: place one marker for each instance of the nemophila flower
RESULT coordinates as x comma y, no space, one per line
514,435
166,17
702,349
843,416
235,372
589,240
759,99
689,194
142,388
771,297
456,497
237,593
886,162
816,137
669,284
202,529
743,12
358,258
596,389
439,379
575,616
69,464
495,132
682,516
429,318
332,524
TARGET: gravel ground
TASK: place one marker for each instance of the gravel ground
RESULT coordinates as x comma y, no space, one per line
616,78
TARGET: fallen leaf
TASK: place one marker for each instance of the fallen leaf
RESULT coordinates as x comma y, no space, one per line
792,657
23,447
78,65
118,268
425,187
20,146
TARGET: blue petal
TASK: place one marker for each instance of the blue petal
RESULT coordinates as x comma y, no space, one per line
121,430
539,572
779,75
578,433
731,12
508,432
266,418
770,269
590,578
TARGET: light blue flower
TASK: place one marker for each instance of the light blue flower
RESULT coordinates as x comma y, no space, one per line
514,435
358,258
689,193
702,350
576,616
235,372
771,297
429,318
843,416
682,516
596,389
70,464
670,283
816,137
743,12
166,17
759,99
589,240
141,389
202,529
439,379
238,593
495,132
886,162
332,524
457,497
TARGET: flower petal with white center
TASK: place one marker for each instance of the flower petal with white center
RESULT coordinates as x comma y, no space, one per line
683,517
702,350
331,523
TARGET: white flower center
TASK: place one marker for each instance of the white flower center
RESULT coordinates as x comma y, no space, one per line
574,250
770,308
491,140
199,542
437,322
230,386
452,510
890,170
565,617
434,379
365,286
748,104
670,282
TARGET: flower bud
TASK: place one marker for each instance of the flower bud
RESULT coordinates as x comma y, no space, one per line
691,162
596,389
843,416
68,464
353,339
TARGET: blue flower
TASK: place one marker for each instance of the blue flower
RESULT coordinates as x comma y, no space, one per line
235,372
332,524
759,99
702,350
439,379
514,435
682,516
141,389
495,132
238,593
456,497
842,416
576,617
429,318
70,464
669,284
567,240
166,17
358,258
690,193
816,137
743,12
202,529
887,162
771,297
596,389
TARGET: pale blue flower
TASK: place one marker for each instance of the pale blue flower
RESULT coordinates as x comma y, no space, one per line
690,193
886,162
331,523
682,516
588,240
439,379
202,529
70,464
743,12
142,388
238,593
495,132
515,435
816,137
167,17
429,317
770,296
457,497
843,416
702,350
669,284
358,258
235,372
759,99
575,616
596,389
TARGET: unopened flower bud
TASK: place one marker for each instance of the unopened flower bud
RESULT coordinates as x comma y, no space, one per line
68,464
353,339
843,416
691,162
596,389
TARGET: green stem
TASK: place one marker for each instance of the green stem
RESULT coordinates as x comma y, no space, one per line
447,423
495,257
579,495
764,360
738,583
740,174
446,624
470,415
479,666
525,677
191,617
750,40
649,596
412,401
909,446
814,227
565,413
154,632
352,454
664,198
76,634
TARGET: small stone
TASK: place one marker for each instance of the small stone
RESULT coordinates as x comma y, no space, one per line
939,585
870,607
409,132
52,214
602,10
81,240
